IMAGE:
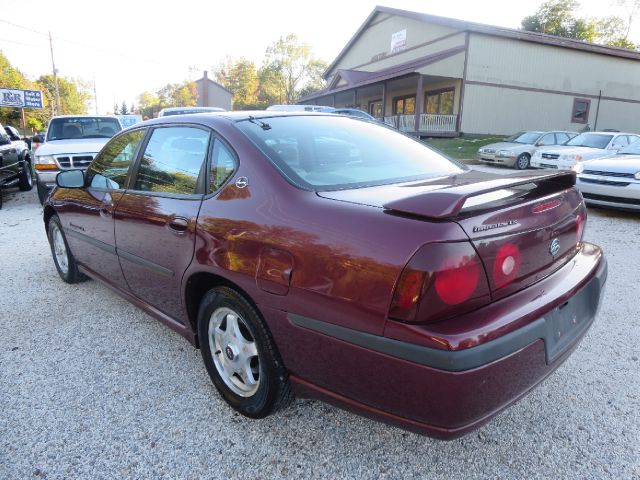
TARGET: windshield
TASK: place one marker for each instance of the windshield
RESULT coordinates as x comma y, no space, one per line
334,152
592,140
633,149
82,127
524,137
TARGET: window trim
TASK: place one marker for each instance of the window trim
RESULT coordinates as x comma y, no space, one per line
133,174
439,92
573,110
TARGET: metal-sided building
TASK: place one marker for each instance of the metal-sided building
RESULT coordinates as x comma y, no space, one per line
438,76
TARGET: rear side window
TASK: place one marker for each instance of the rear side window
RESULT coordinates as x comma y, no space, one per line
110,167
172,160
334,152
223,165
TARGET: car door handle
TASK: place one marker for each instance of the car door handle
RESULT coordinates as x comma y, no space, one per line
106,210
178,224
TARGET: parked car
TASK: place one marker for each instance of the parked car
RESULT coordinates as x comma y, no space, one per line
516,151
299,108
165,112
334,259
71,142
586,146
612,181
130,119
15,161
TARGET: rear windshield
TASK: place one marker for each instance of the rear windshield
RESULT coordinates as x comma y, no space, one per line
593,140
334,152
82,127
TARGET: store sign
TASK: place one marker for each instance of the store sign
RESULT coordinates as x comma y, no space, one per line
11,97
398,41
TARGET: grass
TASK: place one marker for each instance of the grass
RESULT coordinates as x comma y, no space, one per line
463,148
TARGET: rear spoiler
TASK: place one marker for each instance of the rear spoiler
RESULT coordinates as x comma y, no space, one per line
449,202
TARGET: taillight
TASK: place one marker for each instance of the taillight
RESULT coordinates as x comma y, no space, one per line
457,279
506,265
441,280
581,220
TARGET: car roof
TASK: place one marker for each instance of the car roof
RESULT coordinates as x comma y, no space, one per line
84,116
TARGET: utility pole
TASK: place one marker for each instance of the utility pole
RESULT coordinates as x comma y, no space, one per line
95,94
55,76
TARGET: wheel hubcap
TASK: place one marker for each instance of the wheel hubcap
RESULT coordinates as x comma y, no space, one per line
59,249
234,352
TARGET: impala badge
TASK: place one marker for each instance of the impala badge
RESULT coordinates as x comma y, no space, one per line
554,247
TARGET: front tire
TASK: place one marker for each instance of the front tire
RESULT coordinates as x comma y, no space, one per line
240,355
26,177
62,257
523,160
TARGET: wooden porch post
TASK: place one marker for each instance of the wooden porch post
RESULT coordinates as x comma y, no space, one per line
418,108
384,100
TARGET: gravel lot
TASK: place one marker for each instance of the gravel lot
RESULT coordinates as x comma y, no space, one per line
93,388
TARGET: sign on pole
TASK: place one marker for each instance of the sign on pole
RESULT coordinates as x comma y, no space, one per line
12,97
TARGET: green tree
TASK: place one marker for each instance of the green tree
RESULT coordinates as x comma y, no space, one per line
241,78
148,104
290,66
74,94
123,109
556,17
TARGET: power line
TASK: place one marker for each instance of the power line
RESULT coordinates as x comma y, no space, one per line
21,43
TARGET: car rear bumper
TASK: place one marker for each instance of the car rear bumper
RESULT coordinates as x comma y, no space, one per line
444,393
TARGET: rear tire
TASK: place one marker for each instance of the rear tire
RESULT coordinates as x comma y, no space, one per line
523,160
240,355
62,256
26,177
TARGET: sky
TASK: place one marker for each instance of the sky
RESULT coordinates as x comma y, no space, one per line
128,47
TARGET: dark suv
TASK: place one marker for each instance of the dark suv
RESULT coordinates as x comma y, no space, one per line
15,161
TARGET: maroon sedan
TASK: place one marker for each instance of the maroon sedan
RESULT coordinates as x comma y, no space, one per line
335,258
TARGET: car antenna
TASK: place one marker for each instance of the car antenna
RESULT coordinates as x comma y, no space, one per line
260,123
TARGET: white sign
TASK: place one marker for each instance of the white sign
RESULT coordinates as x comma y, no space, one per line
398,41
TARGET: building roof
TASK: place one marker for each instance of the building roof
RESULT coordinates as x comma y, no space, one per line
201,80
504,32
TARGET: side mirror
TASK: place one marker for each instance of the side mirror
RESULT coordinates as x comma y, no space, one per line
70,179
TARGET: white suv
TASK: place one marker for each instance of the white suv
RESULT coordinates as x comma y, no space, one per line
71,143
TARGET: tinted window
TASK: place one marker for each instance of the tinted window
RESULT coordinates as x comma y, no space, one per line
172,160
331,152
65,128
223,165
110,167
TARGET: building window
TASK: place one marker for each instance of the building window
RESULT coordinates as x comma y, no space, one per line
580,112
404,105
440,102
375,108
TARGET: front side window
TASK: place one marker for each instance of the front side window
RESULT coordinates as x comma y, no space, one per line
332,152
621,141
526,138
110,167
548,139
580,113
172,160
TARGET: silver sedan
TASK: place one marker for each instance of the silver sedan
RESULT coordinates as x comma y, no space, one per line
516,151
612,181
